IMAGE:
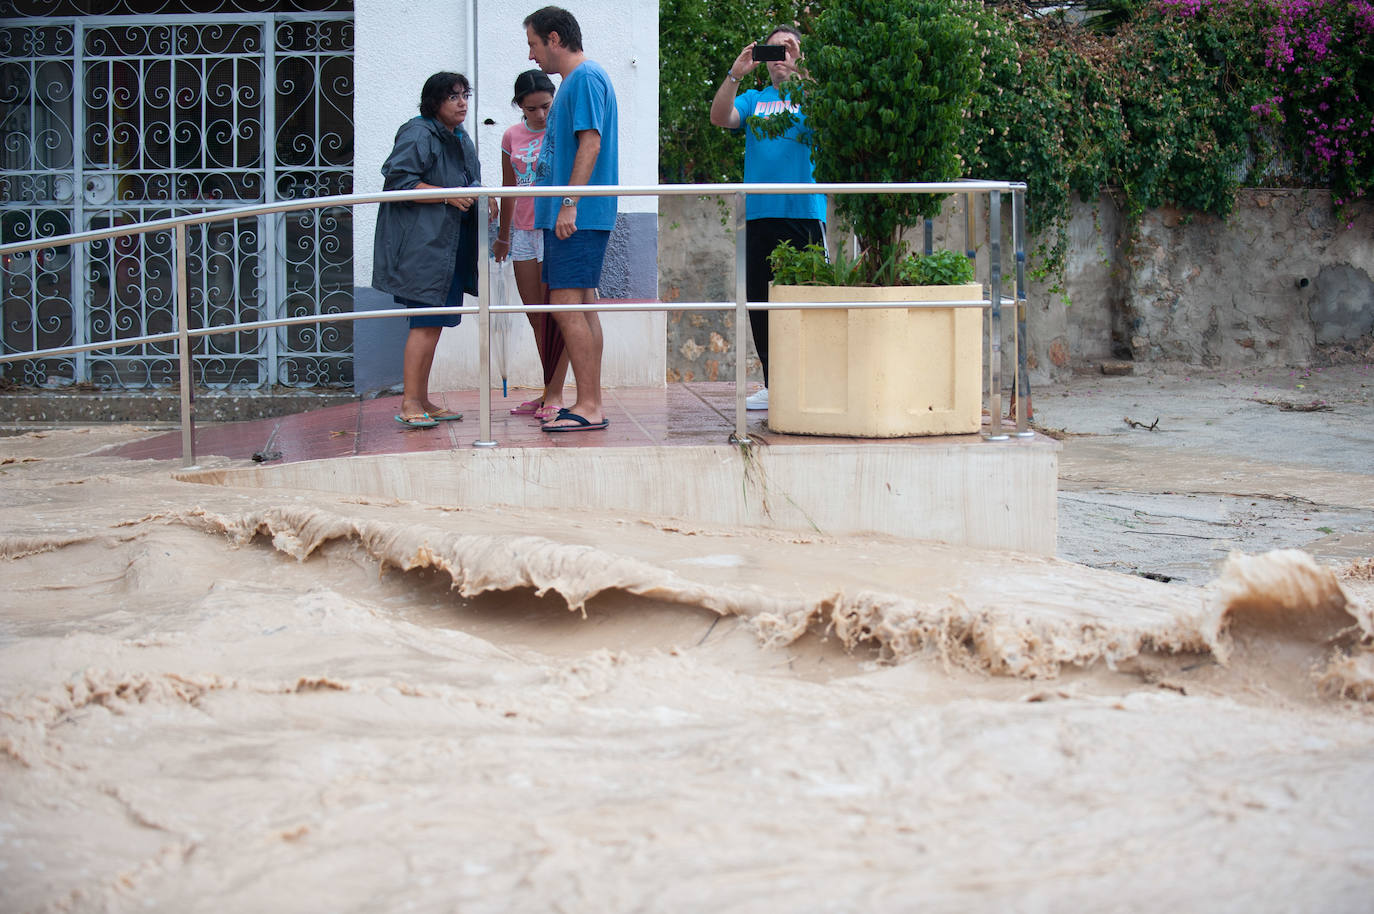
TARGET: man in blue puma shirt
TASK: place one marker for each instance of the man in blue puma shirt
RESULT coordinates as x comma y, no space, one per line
770,218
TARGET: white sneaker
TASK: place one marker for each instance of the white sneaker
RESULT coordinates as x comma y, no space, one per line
757,400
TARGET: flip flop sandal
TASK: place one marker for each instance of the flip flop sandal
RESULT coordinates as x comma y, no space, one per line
444,415
418,421
545,413
528,408
583,424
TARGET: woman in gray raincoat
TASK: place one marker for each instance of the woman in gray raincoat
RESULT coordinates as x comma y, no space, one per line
425,254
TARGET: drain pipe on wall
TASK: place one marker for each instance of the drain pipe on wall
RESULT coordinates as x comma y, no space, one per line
473,118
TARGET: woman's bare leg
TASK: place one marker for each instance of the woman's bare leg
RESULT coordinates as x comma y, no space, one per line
415,367
534,292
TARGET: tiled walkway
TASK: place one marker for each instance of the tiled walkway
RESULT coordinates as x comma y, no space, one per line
694,413
681,414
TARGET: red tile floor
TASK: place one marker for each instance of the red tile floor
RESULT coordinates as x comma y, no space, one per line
680,414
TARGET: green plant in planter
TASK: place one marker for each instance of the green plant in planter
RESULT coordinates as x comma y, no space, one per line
809,267
939,268
885,91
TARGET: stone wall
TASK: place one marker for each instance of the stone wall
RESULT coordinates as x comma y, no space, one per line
1280,282
696,263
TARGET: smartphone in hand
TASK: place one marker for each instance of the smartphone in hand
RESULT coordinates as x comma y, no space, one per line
770,52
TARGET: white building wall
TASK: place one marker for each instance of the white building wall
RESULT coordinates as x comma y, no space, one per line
400,43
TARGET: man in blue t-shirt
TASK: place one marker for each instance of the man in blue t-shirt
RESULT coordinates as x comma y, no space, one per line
770,218
580,148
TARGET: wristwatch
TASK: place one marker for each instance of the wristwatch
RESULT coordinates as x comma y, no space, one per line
569,201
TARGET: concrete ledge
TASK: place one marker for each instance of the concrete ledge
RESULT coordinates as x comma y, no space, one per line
966,492
56,407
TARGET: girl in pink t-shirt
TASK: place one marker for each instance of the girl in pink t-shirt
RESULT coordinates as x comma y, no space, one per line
517,237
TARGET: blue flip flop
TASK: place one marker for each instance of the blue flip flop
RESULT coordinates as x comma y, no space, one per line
421,421
445,415
583,424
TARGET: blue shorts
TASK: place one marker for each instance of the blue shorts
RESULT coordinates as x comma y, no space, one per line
576,262
455,298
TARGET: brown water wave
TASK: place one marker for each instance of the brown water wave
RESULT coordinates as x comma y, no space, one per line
1006,614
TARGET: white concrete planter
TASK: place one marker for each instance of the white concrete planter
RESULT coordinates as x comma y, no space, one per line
878,372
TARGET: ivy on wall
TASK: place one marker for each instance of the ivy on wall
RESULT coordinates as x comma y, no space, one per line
1155,111
1318,77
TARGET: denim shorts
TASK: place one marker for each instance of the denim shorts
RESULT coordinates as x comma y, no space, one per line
526,244
576,262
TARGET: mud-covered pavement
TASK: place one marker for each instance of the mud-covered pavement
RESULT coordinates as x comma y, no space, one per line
1212,461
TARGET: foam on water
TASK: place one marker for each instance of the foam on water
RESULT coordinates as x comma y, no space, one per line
1020,616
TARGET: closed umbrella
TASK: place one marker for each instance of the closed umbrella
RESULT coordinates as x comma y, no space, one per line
503,326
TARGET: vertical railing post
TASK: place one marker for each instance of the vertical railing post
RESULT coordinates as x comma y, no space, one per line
80,262
971,252
1021,386
484,438
995,315
970,230
272,230
741,435
188,419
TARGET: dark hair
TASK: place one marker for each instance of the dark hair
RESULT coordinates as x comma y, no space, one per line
789,29
529,82
437,90
552,19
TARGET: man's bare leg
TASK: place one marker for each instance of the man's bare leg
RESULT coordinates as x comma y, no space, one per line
584,340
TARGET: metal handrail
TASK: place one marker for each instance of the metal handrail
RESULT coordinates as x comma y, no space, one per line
484,309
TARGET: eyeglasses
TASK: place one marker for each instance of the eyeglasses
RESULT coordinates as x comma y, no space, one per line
463,96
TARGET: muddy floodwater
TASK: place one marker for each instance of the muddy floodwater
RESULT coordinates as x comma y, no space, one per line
220,699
